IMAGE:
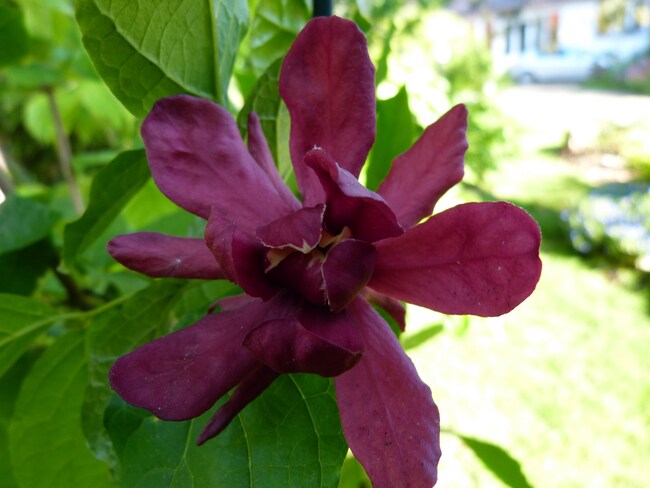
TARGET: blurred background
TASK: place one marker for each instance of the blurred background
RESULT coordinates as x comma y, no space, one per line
559,99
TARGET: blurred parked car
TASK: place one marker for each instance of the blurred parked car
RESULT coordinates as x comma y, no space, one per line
564,65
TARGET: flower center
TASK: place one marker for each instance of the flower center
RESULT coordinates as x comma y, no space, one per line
302,270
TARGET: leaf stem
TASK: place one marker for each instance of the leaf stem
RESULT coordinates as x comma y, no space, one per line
64,152
76,297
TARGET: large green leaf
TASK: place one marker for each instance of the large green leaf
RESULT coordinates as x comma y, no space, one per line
274,27
498,461
23,221
396,131
290,437
47,445
264,99
22,320
13,36
111,190
10,384
148,50
112,333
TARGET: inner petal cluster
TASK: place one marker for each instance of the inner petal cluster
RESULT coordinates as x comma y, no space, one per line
301,254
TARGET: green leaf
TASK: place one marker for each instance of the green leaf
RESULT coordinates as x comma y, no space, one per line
396,131
21,269
148,50
290,437
10,384
275,26
198,297
498,461
265,101
420,337
47,446
112,333
22,320
23,221
13,35
34,76
111,190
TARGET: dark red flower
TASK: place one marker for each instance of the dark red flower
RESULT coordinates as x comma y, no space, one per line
310,269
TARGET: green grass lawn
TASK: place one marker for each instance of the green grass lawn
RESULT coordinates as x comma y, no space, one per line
562,382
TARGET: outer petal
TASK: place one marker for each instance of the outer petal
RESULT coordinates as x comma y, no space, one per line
300,230
327,82
233,302
477,258
346,270
421,175
160,255
350,204
259,149
182,375
197,159
240,256
388,416
258,380
317,341
391,306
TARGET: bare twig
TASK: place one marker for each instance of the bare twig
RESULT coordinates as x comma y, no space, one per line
64,153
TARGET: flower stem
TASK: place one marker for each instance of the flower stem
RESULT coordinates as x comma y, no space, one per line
322,8
64,153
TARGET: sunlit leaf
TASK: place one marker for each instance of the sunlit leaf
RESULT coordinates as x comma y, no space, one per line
112,333
148,50
498,461
22,320
47,445
274,27
290,437
111,190
23,222
396,131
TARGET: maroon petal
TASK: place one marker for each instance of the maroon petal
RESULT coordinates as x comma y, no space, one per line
346,271
300,230
259,149
389,419
198,160
327,82
318,342
477,258
350,204
160,255
391,306
182,375
240,256
258,380
421,175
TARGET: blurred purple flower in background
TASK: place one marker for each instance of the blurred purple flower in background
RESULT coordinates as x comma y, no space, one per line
310,270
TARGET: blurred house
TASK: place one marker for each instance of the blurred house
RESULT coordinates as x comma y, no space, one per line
610,31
